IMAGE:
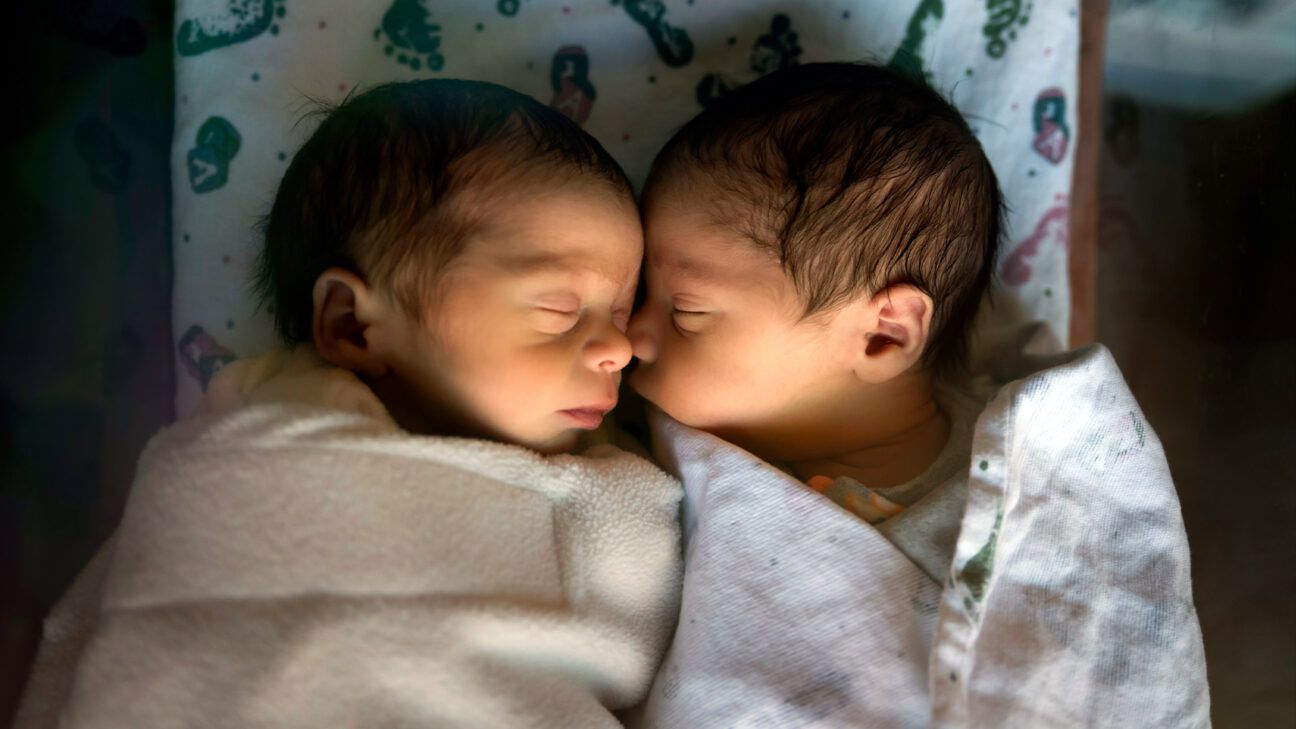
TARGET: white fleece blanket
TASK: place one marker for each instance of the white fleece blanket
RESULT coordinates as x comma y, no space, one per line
1068,603
287,563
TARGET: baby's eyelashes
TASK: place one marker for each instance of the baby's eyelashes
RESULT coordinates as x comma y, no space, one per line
687,321
555,321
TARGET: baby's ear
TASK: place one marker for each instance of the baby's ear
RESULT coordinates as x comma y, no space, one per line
345,310
897,323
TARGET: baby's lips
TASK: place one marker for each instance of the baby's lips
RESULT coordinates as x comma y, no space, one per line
603,405
586,417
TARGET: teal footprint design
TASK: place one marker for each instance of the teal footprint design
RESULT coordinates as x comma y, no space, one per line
411,38
777,49
908,57
673,44
242,20
1006,17
209,162
103,153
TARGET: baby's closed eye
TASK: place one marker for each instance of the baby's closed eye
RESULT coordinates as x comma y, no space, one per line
688,321
555,320
562,319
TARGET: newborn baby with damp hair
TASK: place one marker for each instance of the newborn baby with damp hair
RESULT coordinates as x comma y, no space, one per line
396,519
818,245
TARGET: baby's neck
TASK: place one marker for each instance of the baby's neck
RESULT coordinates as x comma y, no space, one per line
887,459
414,414
884,437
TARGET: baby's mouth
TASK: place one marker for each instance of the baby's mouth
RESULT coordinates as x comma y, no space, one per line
586,417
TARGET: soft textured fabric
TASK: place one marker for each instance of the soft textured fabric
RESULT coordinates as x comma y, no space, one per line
289,557
630,72
1068,602
855,497
934,502
921,516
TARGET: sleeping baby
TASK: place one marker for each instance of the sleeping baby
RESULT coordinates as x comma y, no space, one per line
872,537
382,524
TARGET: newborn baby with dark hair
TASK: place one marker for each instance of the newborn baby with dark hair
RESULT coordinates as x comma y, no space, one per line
875,534
406,516
816,256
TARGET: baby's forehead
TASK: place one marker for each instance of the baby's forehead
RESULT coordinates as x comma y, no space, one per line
572,263
689,241
728,192
556,230
702,210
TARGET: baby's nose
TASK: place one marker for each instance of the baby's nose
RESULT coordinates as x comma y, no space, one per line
610,351
642,339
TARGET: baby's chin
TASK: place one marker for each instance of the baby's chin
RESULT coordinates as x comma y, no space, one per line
693,414
565,442
676,410
647,392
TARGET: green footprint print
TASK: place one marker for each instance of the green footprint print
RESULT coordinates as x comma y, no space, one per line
410,37
673,45
242,20
776,50
908,57
209,161
1005,18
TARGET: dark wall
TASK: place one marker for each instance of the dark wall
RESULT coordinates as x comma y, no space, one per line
1195,301
85,290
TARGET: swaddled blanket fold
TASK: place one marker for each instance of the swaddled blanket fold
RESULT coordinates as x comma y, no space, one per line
1068,602
292,558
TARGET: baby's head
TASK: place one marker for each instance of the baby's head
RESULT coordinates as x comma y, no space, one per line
469,252
816,239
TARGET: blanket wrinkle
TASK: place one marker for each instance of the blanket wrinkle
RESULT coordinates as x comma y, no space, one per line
290,557
1068,601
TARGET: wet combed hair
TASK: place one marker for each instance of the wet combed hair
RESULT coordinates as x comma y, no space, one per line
391,183
856,177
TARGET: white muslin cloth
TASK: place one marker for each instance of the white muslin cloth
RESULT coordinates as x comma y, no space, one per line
1068,603
291,558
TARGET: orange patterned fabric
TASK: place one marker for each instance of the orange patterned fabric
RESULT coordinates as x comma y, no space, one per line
856,498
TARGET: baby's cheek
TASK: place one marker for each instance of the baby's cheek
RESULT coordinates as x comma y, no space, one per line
498,384
530,380
684,383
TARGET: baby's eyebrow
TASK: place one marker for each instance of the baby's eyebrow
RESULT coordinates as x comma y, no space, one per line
541,263
692,270
553,264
